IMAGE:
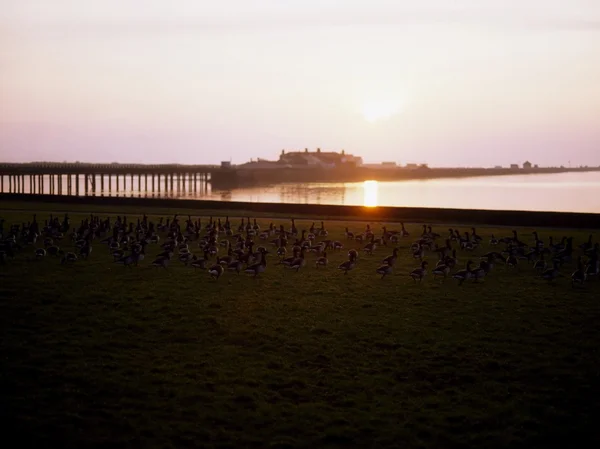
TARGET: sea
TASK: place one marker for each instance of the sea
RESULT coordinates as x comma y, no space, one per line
561,192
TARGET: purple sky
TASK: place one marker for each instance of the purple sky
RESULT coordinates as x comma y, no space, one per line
471,84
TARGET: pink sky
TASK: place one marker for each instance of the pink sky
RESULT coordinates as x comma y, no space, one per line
475,83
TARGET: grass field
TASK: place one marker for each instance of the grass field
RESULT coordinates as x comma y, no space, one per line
98,355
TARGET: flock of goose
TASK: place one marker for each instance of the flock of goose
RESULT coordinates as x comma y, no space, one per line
222,247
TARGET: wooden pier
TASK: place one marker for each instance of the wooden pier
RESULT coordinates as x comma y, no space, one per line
107,179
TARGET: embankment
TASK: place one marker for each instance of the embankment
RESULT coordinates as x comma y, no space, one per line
407,214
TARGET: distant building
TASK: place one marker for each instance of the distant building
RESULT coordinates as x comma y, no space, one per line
328,159
514,166
527,165
497,167
225,164
261,164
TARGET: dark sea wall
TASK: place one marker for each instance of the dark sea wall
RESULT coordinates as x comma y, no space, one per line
265,176
408,214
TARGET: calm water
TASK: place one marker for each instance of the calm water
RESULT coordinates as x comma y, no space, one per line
566,192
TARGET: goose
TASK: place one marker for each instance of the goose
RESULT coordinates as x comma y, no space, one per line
370,247
463,275
140,254
349,264
117,254
530,256
213,250
550,274
487,264
161,262
337,245
216,271
441,270
39,253
299,262
260,266
419,252
538,244
353,254
403,231
322,261
579,276
587,245
391,260
53,250
127,261
595,250
431,234
225,260
419,273
69,257
493,241
479,272
540,264
474,237
512,261
165,255
288,260
199,262
85,250
384,270
451,261
593,266
323,232
281,251
467,244
235,265
186,258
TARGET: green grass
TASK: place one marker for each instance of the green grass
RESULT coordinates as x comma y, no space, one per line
96,355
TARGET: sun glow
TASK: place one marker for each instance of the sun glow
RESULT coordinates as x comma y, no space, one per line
370,188
380,110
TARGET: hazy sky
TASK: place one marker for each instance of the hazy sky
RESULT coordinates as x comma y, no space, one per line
462,82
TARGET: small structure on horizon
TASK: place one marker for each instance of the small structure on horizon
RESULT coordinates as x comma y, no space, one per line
319,158
527,165
514,166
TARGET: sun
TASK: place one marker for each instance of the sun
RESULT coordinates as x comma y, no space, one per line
375,110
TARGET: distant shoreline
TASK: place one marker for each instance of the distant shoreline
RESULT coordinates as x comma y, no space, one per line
265,176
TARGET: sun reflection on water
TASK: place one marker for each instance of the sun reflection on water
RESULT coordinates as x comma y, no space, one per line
370,189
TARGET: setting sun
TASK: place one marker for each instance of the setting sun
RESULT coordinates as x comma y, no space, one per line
370,189
380,110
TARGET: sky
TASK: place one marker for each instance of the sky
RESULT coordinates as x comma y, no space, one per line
448,83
